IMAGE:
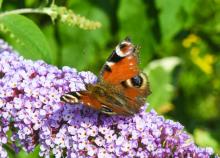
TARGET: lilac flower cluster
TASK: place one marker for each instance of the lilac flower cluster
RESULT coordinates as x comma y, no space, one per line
32,114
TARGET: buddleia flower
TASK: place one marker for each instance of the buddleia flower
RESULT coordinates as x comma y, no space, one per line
31,110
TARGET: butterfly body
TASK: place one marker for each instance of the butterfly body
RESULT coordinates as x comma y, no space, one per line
121,88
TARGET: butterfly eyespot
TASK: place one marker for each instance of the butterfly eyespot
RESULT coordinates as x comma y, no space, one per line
122,45
138,81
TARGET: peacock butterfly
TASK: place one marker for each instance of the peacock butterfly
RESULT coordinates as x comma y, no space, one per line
121,87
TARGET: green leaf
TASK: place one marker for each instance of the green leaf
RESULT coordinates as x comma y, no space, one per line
204,138
49,32
1,1
160,77
83,49
27,38
34,154
206,103
170,17
162,92
133,22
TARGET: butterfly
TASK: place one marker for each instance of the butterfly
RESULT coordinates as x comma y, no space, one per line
121,88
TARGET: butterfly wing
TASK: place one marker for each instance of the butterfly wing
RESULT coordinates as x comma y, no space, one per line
121,87
82,97
110,99
98,97
123,99
122,64
122,71
136,89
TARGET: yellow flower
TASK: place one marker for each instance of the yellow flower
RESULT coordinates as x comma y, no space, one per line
188,41
204,63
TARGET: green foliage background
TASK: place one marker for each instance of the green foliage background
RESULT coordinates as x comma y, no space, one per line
179,42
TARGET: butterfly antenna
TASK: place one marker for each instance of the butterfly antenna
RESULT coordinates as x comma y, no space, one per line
128,39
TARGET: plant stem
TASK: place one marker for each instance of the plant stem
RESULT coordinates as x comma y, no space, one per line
25,10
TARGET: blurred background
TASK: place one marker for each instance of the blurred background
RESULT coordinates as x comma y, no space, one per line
180,51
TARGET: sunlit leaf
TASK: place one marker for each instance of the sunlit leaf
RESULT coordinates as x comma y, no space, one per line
204,138
27,38
1,1
160,77
161,88
168,63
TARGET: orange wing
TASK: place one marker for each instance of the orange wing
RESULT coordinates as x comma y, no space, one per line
136,89
122,64
82,97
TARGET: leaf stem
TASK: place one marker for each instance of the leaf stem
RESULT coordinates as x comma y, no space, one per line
25,10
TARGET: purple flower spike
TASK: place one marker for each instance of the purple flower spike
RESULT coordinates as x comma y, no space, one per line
30,108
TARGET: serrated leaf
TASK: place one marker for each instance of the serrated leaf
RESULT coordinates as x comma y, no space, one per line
27,38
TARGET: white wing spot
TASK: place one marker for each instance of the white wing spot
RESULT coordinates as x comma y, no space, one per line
109,63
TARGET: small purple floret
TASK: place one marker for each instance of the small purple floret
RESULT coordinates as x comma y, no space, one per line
31,109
